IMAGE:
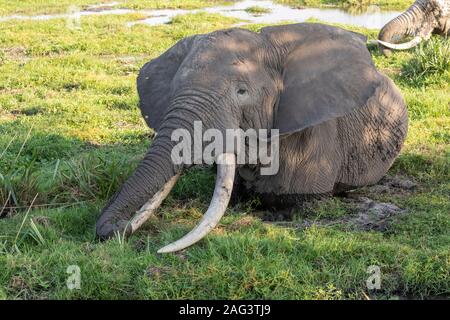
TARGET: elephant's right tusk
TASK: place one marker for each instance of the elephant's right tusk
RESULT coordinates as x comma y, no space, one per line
150,207
402,46
226,168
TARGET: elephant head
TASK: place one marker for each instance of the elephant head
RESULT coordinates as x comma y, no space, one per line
233,79
420,21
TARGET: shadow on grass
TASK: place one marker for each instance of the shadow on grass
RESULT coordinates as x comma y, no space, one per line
64,171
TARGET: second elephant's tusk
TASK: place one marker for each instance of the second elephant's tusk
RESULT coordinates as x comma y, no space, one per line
150,207
226,168
402,46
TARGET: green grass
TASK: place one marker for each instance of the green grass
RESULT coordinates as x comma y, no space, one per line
71,133
430,63
257,10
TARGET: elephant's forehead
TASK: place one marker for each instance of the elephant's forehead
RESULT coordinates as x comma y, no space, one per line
218,63
229,45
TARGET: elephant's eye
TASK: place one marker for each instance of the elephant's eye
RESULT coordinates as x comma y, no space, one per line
241,92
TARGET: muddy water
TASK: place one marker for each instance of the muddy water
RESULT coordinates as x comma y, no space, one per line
371,17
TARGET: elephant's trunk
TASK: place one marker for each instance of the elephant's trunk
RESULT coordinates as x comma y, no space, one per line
157,173
142,192
409,23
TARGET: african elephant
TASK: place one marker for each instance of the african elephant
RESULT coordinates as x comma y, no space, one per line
341,123
420,21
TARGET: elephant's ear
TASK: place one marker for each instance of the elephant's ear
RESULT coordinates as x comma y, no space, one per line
154,82
328,73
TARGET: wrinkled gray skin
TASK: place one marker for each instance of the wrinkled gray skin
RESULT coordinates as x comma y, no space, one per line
341,122
423,18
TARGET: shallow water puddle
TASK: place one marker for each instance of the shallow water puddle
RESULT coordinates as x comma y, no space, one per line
273,13
372,18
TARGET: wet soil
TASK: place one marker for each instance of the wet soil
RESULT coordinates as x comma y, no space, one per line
363,212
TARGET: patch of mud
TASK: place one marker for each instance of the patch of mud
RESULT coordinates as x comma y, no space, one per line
181,255
18,283
15,54
129,64
140,245
16,113
128,59
394,185
30,111
156,272
372,215
365,215
41,220
241,223
399,182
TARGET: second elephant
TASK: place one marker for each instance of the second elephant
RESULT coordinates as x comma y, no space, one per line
420,21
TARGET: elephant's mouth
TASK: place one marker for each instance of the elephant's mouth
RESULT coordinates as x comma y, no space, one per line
226,167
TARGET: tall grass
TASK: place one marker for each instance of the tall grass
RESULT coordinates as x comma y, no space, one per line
86,178
256,10
430,61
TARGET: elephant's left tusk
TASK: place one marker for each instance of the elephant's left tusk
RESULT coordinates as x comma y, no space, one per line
150,207
226,168
402,46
